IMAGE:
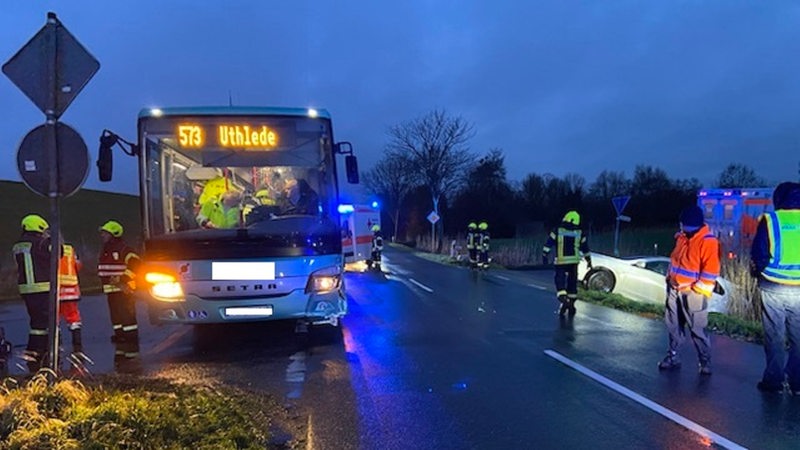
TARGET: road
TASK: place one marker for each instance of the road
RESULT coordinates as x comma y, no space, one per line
433,356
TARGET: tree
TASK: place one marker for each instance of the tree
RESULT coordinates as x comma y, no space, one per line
609,184
739,176
391,180
436,145
487,195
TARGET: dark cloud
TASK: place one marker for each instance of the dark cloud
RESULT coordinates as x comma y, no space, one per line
560,86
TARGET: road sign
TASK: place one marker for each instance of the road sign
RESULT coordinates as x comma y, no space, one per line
32,69
620,203
433,217
33,159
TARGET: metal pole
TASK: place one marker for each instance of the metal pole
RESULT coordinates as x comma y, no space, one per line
53,194
616,238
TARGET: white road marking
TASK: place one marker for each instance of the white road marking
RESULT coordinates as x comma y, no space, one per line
669,414
503,278
534,285
420,285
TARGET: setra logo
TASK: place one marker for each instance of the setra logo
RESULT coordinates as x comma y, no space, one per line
244,287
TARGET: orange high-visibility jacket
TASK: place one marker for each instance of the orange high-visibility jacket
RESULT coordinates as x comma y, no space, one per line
694,264
68,267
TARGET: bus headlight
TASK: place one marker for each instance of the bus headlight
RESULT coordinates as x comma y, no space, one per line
164,287
324,280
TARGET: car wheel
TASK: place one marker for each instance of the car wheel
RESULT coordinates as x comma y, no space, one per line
601,280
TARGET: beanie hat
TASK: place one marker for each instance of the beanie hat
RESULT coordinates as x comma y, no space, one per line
692,218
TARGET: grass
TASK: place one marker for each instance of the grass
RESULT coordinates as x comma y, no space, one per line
81,215
126,413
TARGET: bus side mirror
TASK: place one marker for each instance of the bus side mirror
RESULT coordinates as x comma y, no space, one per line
105,161
351,167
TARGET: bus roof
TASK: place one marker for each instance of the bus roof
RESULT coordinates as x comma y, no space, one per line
232,111
736,192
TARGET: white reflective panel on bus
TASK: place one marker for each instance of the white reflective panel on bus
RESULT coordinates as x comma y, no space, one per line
249,311
241,271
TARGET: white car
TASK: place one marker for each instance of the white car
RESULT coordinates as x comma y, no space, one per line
640,278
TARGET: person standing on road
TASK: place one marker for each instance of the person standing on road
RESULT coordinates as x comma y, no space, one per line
69,294
694,268
571,245
472,244
775,259
32,255
377,246
116,268
483,246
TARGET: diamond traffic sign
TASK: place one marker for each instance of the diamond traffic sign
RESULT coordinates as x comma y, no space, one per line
33,160
620,203
52,68
433,217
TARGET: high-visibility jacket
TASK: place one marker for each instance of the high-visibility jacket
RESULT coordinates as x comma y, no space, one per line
117,266
483,241
783,231
68,266
695,262
571,245
32,255
472,240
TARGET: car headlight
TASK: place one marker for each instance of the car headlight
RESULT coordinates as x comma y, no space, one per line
164,287
324,280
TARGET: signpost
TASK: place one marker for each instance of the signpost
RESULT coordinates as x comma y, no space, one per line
619,205
433,218
51,69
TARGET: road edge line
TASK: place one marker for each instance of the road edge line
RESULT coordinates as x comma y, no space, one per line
420,285
655,407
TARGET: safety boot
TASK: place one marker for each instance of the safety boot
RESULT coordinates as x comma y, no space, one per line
564,301
669,362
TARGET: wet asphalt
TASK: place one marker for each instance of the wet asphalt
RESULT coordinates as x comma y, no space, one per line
434,356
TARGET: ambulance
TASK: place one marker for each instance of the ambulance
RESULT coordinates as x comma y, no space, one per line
357,223
733,214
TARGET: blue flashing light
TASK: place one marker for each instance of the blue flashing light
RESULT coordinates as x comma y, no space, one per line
346,209
375,205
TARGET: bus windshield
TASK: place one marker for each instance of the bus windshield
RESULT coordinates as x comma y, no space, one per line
235,172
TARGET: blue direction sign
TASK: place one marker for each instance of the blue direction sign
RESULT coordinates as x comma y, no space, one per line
52,68
620,203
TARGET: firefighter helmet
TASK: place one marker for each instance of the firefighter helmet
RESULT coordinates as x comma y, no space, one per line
34,222
483,226
472,226
113,228
376,228
572,217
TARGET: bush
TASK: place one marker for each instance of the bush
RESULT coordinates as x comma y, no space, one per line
70,415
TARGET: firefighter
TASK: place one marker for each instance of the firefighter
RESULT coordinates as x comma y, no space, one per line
377,246
775,257
693,271
571,245
483,246
472,244
32,255
116,268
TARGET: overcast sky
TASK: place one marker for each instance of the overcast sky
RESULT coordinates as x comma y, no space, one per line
561,86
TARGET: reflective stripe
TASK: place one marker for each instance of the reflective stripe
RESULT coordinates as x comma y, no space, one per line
117,327
110,274
129,273
34,288
109,288
129,256
561,293
111,267
784,264
75,326
130,328
37,332
684,272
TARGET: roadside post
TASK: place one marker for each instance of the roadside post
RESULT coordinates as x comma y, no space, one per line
433,218
619,205
53,160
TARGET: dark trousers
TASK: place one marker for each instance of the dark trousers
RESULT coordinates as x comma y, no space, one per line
567,280
473,255
39,314
122,308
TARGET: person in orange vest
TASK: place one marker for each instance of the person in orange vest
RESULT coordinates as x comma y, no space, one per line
116,268
69,293
694,268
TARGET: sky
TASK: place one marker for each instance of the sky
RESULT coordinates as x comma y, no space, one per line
560,86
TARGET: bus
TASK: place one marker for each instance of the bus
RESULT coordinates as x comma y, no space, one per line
733,215
239,213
